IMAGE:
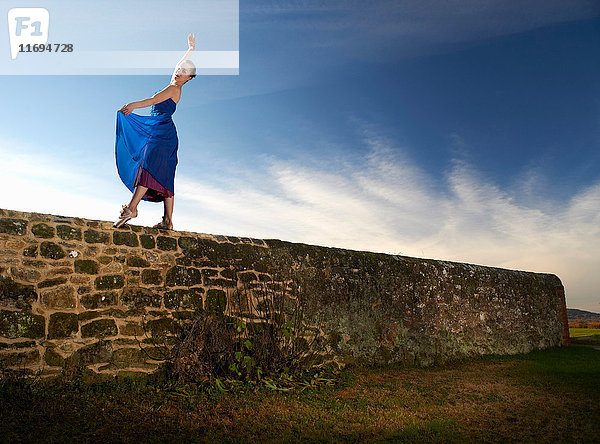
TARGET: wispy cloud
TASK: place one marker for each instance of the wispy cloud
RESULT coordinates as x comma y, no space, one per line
384,203
389,204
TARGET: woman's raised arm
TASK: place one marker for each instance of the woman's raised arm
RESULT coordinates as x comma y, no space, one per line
191,46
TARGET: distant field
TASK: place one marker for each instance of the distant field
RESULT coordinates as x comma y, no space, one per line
548,395
578,332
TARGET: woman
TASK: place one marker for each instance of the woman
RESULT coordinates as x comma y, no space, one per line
146,146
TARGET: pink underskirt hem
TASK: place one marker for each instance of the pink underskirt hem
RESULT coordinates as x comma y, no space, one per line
156,192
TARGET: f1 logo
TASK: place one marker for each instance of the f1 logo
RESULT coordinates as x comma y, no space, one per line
27,26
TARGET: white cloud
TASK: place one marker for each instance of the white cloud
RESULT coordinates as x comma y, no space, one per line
384,203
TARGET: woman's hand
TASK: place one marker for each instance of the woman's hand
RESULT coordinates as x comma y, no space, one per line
192,41
127,109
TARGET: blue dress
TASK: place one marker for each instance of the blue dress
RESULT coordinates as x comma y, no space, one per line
148,142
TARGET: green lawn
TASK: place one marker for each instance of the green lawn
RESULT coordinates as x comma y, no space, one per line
550,395
578,332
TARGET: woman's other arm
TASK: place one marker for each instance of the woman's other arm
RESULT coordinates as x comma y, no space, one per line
160,96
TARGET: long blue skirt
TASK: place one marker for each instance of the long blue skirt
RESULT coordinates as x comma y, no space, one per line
150,142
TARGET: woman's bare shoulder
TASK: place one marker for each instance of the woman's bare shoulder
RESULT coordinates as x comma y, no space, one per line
170,91
174,92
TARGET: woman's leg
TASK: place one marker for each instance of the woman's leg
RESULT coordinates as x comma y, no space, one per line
169,201
137,196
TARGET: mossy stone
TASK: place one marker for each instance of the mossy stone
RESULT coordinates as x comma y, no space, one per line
9,225
136,261
125,238
109,282
187,242
16,295
54,359
59,297
129,357
99,329
105,260
62,325
67,232
184,298
229,273
87,266
20,359
147,241
52,282
183,277
162,327
17,324
98,300
31,251
43,230
153,277
95,353
166,243
51,250
216,301
96,237
140,297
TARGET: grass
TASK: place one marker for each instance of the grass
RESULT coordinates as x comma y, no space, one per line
579,332
549,395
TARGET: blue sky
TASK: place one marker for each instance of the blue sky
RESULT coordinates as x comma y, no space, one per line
466,131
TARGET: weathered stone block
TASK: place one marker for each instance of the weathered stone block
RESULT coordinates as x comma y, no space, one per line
67,232
16,295
109,282
221,282
16,345
98,300
187,242
95,353
125,238
87,266
51,250
59,298
53,359
62,325
99,329
136,261
31,251
184,298
84,289
20,359
247,276
96,237
147,241
183,277
229,273
43,230
104,260
52,282
17,324
14,226
140,297
129,357
131,328
209,272
162,327
216,301
166,243
152,277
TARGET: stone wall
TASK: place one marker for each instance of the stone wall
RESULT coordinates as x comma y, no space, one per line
77,291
